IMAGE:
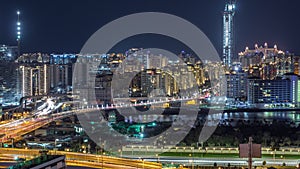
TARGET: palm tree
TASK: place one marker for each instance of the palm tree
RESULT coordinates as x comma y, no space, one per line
287,141
266,137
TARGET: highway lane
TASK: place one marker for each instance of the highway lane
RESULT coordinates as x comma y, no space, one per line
80,159
88,160
222,161
16,128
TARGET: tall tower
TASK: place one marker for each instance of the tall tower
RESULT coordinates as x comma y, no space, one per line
19,83
18,32
228,33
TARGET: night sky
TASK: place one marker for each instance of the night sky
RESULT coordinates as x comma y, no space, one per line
63,26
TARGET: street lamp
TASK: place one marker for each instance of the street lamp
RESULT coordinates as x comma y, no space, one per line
55,141
97,158
103,153
131,150
89,148
83,148
142,161
273,155
192,160
120,151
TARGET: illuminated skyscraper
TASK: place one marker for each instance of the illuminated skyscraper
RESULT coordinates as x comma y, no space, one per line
236,82
267,62
35,80
274,92
228,33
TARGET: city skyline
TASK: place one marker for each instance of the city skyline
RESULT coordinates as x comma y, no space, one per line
150,84
58,28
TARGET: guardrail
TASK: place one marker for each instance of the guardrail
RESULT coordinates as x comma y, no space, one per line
186,149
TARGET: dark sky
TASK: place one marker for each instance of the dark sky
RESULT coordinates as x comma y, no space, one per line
63,26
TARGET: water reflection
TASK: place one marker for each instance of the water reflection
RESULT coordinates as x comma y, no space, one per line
293,116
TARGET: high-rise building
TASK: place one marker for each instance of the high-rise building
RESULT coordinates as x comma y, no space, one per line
284,64
41,74
236,82
103,81
61,71
269,91
228,32
155,74
278,91
8,53
93,81
35,80
156,82
9,89
266,62
296,65
199,73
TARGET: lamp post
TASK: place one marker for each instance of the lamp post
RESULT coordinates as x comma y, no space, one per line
55,142
82,148
273,152
103,153
137,164
131,150
142,161
120,151
89,148
192,161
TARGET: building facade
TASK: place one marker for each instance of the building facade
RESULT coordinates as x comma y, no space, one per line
42,74
35,79
8,53
266,62
278,91
236,82
228,33
10,91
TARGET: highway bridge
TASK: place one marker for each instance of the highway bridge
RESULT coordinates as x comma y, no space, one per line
15,129
86,160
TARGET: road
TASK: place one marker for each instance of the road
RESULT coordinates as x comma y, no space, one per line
47,113
16,129
84,160
223,161
97,161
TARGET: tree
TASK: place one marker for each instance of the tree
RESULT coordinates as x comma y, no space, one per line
287,141
194,145
272,144
266,137
281,144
